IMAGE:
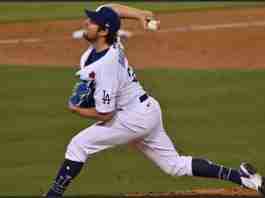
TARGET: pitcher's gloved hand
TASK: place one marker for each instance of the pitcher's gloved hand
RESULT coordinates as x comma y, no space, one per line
83,94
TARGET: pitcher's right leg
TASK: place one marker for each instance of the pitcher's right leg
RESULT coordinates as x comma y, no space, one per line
86,143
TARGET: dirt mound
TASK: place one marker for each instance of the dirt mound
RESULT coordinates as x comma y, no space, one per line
214,192
209,39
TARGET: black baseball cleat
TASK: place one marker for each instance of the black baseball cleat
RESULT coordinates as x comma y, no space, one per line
262,188
248,169
251,179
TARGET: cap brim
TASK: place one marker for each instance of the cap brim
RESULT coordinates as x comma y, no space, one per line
93,16
90,13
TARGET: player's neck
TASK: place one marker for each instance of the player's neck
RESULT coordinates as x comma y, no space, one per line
100,46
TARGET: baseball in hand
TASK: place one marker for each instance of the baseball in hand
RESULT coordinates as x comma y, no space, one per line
78,34
153,25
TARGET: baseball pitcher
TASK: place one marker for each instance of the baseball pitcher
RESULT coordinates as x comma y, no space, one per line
108,91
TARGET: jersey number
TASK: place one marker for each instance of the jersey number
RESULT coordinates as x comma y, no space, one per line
132,74
122,62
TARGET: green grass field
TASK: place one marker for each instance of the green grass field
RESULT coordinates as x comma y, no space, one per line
14,12
217,114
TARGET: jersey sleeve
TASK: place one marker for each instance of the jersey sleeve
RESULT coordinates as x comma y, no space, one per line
84,56
101,6
106,89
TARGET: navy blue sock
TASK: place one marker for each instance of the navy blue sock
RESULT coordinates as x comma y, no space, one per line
205,168
68,171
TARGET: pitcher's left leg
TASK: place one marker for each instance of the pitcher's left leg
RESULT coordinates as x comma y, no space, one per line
159,148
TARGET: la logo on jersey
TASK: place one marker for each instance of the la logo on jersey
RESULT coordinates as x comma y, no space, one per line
106,97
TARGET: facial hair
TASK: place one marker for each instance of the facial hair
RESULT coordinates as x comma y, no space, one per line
91,39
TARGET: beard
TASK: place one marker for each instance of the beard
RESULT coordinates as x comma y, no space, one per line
91,37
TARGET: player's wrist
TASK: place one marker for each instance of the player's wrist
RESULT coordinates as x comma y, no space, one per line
148,14
72,107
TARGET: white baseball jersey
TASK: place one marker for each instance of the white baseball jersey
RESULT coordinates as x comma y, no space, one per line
116,83
137,122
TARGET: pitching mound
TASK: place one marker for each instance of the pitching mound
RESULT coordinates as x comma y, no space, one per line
215,193
200,39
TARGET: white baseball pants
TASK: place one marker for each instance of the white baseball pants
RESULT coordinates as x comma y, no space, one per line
141,125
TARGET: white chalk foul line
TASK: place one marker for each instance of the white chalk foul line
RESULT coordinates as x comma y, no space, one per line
16,41
189,28
193,28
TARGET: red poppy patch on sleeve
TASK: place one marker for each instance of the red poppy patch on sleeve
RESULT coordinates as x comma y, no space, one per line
92,75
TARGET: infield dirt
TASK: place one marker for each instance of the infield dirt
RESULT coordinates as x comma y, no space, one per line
176,45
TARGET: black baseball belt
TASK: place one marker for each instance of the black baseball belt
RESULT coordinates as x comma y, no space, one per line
143,97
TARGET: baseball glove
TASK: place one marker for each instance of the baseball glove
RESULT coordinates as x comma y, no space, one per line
83,94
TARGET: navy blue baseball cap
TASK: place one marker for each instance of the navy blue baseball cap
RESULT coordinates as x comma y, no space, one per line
105,17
